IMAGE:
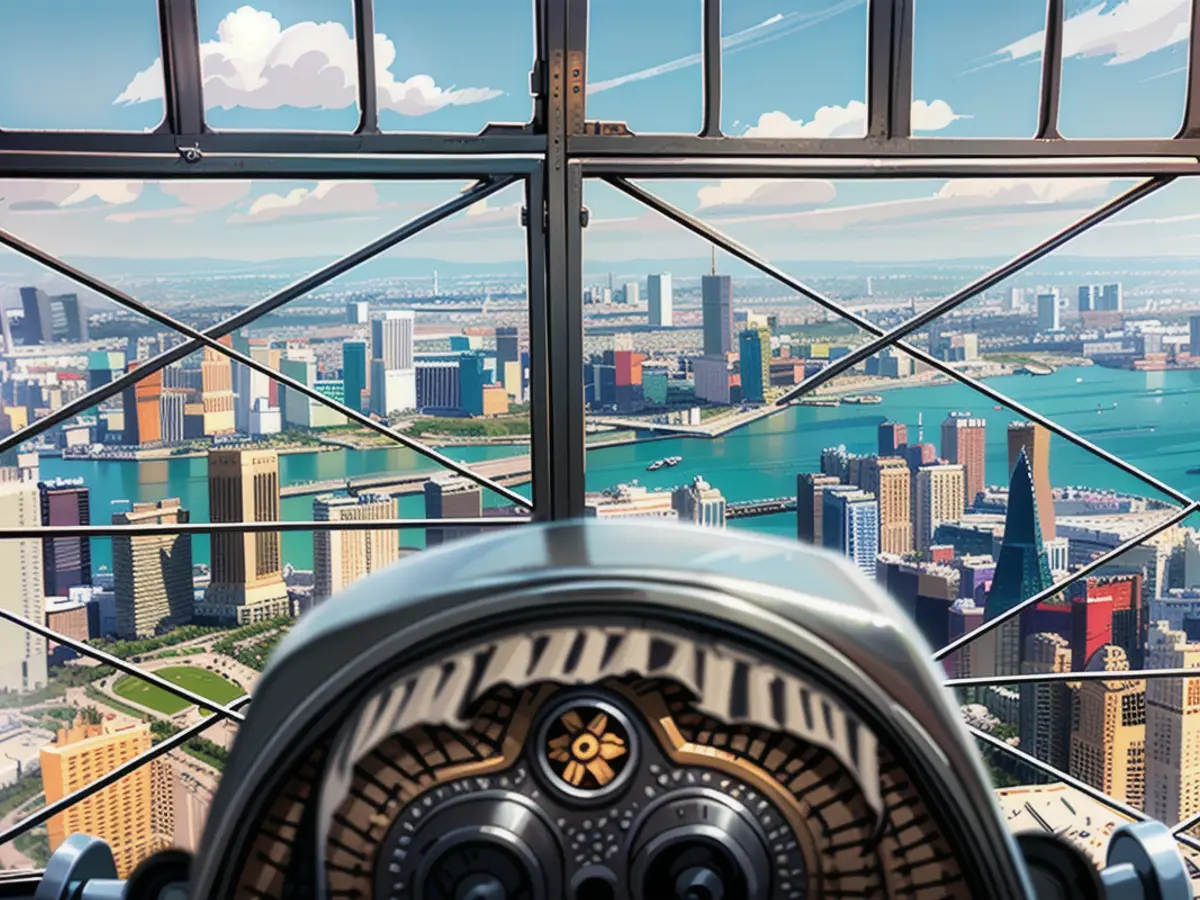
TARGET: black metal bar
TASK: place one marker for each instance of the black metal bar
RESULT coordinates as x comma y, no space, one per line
50,810
541,426
1190,127
1052,65
1085,570
900,95
1040,677
696,168
991,279
711,67
49,532
116,662
569,308
297,289
183,80
364,38
889,69
120,297
734,248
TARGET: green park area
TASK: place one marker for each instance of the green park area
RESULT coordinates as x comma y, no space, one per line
199,681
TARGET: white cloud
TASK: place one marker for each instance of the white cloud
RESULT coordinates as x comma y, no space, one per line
1121,34
327,198
829,122
194,197
257,64
21,194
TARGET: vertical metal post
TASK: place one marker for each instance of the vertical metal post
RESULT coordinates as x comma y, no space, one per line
889,69
1191,110
1052,63
541,426
364,39
183,81
712,69
566,34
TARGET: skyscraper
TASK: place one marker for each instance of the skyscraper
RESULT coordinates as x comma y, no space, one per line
451,497
1087,297
152,574
142,404
1048,311
1108,738
342,557
1022,569
1110,298
716,296
249,387
850,525
1034,440
104,367
470,383
216,391
632,293
1172,728
171,407
1045,723
661,313
22,652
122,814
939,498
1194,336
392,338
754,347
508,351
247,580
358,312
354,373
964,442
66,562
810,488
888,479
699,503
892,436
395,390
50,319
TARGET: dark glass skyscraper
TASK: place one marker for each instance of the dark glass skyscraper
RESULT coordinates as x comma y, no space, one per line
716,293
752,354
1022,569
354,372
66,562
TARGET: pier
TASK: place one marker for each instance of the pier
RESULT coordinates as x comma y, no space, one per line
511,471
748,509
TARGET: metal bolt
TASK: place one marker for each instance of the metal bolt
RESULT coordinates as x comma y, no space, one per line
191,154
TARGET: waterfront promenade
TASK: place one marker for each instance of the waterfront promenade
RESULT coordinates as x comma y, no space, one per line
509,471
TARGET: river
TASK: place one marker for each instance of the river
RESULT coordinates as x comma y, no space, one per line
1153,425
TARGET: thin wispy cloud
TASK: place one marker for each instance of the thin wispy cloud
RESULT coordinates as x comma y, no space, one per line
1166,74
772,29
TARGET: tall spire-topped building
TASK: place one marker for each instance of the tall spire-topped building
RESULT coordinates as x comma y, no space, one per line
1022,569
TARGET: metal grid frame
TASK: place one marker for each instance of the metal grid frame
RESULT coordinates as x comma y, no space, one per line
552,155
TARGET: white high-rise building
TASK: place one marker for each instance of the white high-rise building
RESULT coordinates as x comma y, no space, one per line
392,338
342,557
699,503
633,293
1048,311
392,390
249,386
358,312
661,312
22,652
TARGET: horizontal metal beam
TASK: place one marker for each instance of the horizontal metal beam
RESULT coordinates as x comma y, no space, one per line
685,145
50,532
1045,677
121,665
186,164
694,169
50,810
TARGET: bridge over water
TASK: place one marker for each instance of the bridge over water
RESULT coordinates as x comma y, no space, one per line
747,509
510,471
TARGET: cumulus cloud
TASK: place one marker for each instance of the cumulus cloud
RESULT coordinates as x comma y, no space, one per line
194,197
326,199
42,195
1119,33
747,194
256,63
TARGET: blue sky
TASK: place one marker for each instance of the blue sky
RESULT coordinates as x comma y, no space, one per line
791,67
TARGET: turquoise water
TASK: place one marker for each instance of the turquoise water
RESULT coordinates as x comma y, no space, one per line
1155,425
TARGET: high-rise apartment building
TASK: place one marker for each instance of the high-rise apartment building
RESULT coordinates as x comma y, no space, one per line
247,580
358,312
1172,728
508,360
22,652
342,557
1034,439
1045,723
892,436
122,814
152,574
939,498
172,407
889,480
661,312
249,387
395,390
1048,311
1108,737
142,405
810,488
436,385
964,442
631,293
754,348
1194,336
699,503
355,373
850,525
451,497
392,338
1110,298
51,319
66,562
716,300
1088,294
216,391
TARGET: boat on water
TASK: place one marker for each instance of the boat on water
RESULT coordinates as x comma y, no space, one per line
656,465
1079,381
672,461
833,402
863,399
